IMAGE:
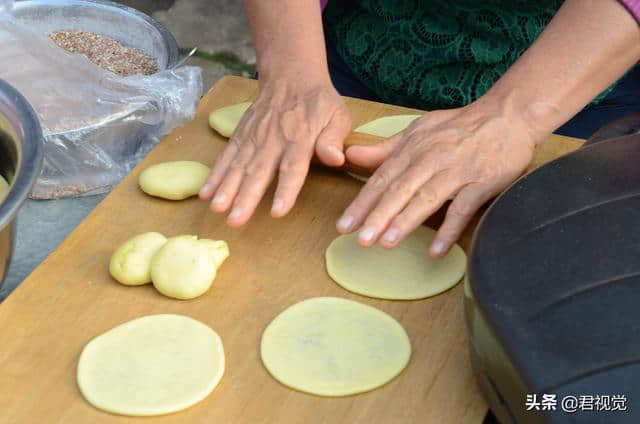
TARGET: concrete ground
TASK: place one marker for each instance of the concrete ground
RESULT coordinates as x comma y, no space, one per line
217,27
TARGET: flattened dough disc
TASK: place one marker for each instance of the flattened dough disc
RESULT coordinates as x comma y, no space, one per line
334,347
387,125
384,127
154,365
226,119
403,273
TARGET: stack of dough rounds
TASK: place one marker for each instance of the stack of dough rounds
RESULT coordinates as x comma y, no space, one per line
226,119
403,273
174,180
181,267
153,365
329,346
4,188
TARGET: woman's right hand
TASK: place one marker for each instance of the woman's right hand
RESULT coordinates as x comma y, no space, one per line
291,118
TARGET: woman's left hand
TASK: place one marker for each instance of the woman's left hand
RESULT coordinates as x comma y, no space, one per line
467,155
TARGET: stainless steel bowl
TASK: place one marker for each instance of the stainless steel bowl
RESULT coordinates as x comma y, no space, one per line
20,160
115,135
123,23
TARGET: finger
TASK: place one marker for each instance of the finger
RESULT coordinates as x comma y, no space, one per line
427,200
218,171
291,175
369,195
226,192
330,140
258,175
373,155
464,206
393,200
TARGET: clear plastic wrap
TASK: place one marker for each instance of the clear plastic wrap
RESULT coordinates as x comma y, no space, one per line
97,125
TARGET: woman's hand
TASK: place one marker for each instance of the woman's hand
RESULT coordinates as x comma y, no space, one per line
291,119
467,155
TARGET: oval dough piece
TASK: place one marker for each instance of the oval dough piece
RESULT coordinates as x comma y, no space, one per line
218,249
183,268
174,180
226,119
131,262
4,188
334,347
403,273
154,365
383,127
387,125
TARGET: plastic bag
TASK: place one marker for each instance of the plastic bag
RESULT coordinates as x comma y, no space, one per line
97,125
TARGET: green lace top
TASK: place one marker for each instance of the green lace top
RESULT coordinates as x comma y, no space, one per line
433,54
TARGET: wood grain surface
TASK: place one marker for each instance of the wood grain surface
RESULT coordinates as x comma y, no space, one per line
70,299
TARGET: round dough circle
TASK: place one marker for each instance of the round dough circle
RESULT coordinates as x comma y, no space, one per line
131,262
226,119
329,346
154,365
404,273
174,180
183,268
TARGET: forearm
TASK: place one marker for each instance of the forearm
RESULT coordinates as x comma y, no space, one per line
288,38
586,47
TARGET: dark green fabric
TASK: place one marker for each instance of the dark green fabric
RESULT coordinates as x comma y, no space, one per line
434,54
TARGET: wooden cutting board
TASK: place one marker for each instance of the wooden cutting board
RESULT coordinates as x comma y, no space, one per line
70,298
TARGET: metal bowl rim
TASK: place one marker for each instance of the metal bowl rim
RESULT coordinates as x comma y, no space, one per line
173,54
30,159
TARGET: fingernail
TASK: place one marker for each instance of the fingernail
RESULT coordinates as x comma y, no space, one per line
367,234
220,198
345,222
437,247
391,236
204,189
334,149
235,213
278,204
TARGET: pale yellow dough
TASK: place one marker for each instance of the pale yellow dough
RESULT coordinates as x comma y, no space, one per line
174,180
226,119
383,127
4,188
403,273
131,263
387,125
185,267
329,346
154,365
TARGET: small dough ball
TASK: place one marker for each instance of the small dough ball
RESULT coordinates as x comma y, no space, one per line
4,188
174,180
226,119
183,268
131,262
218,249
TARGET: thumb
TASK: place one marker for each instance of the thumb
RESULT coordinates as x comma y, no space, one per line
330,140
373,155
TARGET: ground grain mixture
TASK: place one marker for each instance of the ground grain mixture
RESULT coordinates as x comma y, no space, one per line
106,52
